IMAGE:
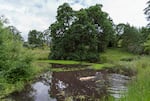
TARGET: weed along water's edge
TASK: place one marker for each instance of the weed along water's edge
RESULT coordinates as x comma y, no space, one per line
75,64
84,85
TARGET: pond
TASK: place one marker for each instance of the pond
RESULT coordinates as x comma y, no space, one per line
79,85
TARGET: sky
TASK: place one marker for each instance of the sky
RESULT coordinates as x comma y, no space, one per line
27,15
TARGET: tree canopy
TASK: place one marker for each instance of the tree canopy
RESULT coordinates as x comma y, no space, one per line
80,35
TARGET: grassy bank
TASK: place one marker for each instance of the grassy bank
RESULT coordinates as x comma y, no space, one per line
138,89
117,58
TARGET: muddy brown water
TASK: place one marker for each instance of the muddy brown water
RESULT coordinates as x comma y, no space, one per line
80,85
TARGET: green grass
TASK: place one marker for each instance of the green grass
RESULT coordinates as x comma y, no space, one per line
63,62
39,67
139,87
115,55
95,66
100,66
40,54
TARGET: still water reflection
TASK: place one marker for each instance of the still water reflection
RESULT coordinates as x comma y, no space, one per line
85,85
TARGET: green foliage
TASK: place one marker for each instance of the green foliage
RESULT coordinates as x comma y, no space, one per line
116,55
119,30
35,38
14,61
38,39
104,26
131,39
78,35
40,54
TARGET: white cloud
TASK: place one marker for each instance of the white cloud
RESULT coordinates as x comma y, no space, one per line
126,11
77,6
39,14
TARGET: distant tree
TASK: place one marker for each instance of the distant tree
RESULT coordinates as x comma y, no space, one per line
16,32
131,39
145,32
46,37
35,38
119,30
39,39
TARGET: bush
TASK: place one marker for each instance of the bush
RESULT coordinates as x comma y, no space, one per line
15,63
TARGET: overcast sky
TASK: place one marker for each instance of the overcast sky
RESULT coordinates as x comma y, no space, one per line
27,15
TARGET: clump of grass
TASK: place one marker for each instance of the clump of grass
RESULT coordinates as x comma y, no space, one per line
139,89
39,67
101,66
40,54
63,62
95,66
115,55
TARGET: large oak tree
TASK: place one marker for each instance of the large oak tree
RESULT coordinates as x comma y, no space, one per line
80,35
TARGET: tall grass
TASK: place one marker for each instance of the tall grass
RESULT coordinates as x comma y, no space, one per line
139,87
115,55
40,54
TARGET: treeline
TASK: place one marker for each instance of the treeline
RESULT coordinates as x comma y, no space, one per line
133,39
84,34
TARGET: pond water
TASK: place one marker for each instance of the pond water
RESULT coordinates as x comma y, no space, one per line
80,85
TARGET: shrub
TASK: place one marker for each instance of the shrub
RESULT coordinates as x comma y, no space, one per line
14,61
